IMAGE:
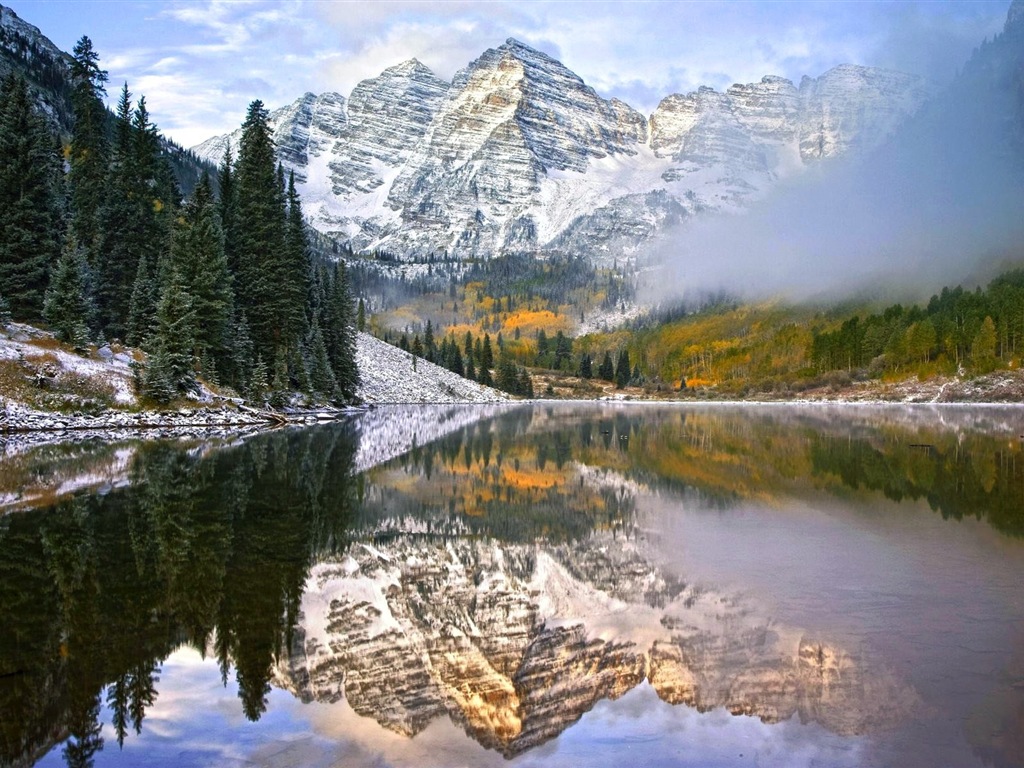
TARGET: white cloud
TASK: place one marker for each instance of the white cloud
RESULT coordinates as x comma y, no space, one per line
636,51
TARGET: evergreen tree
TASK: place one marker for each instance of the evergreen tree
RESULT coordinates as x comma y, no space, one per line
525,383
506,376
470,368
339,334
429,346
622,370
89,146
586,370
170,368
361,316
229,209
486,354
242,372
259,229
197,253
29,201
142,307
542,348
281,384
321,376
135,217
606,370
68,305
294,281
563,350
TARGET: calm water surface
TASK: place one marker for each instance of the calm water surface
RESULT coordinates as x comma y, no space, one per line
539,585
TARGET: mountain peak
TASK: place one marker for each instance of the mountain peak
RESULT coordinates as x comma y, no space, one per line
521,50
409,67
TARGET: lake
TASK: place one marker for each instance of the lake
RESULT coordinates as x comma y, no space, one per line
526,585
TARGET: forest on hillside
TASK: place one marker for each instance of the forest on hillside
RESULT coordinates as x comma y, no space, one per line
98,244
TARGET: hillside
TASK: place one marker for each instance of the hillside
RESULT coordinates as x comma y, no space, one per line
390,375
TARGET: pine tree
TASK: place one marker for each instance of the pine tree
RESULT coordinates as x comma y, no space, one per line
280,385
505,377
339,334
259,229
244,360
68,305
321,376
197,252
294,279
486,354
361,316
586,370
470,368
142,307
170,369
29,201
136,215
606,370
525,383
622,370
429,346
89,147
228,209
983,348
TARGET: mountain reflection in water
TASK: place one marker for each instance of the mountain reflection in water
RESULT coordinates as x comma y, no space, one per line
495,568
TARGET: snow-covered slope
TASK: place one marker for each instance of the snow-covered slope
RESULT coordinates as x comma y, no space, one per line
390,375
518,154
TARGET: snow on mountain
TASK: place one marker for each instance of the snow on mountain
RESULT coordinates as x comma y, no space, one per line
302,130
519,154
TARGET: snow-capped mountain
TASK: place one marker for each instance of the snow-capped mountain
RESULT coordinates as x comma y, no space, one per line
519,154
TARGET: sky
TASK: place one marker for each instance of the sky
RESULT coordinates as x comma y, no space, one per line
200,63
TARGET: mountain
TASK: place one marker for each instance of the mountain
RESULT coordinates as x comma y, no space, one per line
519,154
25,51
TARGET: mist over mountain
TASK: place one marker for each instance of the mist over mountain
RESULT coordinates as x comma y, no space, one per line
938,202
518,155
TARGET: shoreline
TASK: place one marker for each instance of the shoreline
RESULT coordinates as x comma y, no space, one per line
19,422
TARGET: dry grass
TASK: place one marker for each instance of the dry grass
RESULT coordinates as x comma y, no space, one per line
39,382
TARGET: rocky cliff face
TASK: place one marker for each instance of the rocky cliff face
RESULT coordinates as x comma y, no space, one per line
24,50
516,642
518,154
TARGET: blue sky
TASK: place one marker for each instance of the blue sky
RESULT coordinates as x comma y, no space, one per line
200,63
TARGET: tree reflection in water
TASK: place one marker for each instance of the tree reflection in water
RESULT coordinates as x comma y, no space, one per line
98,590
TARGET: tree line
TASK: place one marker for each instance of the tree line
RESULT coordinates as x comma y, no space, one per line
976,330
97,242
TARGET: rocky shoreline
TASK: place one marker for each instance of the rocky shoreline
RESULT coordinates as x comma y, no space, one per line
22,424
